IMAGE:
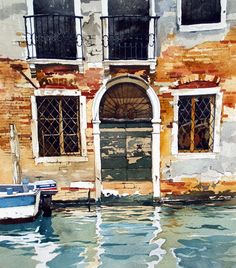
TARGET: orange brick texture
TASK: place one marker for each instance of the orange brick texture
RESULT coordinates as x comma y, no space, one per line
206,65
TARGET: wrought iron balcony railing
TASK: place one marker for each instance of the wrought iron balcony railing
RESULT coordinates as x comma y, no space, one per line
129,37
54,36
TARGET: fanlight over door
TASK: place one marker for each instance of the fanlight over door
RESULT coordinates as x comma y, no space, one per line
125,102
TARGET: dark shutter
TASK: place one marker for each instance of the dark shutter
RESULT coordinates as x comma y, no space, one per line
201,11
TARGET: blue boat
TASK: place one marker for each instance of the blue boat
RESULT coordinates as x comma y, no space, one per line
17,205
21,202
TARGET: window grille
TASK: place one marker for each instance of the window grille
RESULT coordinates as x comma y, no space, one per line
58,125
53,31
53,36
196,120
128,32
125,102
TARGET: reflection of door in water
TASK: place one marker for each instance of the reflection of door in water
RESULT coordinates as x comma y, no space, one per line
125,112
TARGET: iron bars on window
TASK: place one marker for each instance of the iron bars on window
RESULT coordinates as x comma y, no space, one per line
54,36
58,126
128,37
196,120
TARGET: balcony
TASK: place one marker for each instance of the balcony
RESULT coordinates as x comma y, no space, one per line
54,37
129,38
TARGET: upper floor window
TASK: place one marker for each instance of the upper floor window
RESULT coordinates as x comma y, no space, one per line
54,31
197,15
128,31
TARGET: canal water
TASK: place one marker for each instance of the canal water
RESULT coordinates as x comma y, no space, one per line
117,237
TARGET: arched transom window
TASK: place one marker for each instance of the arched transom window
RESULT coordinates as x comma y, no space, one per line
125,102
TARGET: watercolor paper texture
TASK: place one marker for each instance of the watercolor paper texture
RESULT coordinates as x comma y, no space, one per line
131,100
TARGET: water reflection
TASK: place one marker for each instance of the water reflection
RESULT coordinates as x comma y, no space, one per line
128,237
196,236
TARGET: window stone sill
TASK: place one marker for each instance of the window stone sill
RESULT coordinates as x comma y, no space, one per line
188,156
202,27
60,159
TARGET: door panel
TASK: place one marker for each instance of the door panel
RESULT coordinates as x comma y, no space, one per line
126,151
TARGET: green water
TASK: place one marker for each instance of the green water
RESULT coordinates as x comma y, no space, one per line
193,236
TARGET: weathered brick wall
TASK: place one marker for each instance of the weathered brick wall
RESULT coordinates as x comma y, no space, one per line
212,63
15,108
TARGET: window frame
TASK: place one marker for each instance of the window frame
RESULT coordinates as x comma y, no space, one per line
36,60
176,93
34,126
201,26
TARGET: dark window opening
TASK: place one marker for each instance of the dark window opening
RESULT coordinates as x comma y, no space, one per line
196,119
128,7
55,31
61,7
128,29
58,126
125,102
201,11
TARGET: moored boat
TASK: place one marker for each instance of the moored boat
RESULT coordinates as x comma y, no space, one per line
18,206
46,187
22,202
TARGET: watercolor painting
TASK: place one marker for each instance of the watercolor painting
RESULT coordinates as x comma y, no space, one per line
117,133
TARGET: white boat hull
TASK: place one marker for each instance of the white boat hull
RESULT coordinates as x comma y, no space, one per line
21,212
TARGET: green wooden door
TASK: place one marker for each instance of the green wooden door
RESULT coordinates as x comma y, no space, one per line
126,151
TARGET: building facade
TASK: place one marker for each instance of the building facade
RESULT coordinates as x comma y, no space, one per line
132,99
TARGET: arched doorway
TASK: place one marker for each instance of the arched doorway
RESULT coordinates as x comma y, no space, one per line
125,114
126,128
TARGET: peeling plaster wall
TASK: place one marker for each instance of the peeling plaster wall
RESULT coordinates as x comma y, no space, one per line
168,33
12,12
12,38
217,173
91,12
12,27
208,169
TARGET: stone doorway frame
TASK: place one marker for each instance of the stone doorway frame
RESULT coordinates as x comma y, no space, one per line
155,132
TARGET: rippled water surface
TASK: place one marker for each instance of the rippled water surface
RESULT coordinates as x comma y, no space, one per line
193,236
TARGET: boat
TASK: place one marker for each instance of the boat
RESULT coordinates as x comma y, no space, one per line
46,187
16,205
22,202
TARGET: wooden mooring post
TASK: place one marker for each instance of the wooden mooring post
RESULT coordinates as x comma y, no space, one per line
15,152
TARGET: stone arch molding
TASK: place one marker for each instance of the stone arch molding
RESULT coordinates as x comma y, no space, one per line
155,133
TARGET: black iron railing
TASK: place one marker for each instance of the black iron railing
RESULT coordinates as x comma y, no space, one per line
54,36
129,37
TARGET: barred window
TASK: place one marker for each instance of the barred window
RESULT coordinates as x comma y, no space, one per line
58,125
196,121
128,29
